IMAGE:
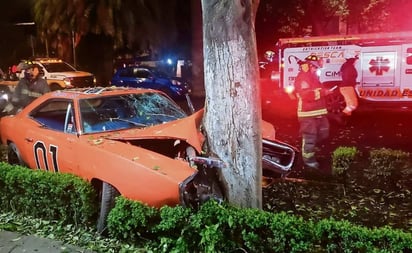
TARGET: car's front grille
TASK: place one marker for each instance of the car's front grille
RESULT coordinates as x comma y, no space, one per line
83,81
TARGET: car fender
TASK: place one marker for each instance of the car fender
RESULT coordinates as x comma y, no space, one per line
139,174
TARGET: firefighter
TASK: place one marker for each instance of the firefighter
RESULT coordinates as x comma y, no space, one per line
347,86
311,112
30,87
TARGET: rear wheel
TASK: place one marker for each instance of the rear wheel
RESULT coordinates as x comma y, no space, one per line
13,155
107,200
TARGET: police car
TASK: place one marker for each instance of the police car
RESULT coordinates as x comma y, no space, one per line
62,75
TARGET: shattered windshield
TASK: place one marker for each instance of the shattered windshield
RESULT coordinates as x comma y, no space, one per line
109,113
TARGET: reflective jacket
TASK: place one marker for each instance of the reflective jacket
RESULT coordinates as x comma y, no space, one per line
311,97
28,90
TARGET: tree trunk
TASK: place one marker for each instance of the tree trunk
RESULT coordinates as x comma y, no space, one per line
232,121
198,86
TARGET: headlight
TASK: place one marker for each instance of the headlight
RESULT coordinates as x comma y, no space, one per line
68,82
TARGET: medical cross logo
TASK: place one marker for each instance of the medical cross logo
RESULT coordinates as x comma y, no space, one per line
379,65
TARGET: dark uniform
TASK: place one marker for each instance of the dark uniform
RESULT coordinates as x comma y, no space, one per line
32,86
347,86
312,112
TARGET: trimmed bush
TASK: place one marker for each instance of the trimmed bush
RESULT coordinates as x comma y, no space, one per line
224,228
387,164
342,159
46,195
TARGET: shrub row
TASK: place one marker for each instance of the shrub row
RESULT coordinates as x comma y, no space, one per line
223,228
384,163
212,228
51,196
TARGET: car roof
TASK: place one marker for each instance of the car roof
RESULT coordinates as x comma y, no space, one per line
83,93
138,67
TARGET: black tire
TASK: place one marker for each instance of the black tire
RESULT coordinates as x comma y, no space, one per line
335,103
13,155
108,195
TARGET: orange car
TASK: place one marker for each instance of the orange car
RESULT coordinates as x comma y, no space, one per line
133,142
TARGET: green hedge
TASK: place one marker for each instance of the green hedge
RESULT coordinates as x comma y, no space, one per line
51,196
213,228
223,228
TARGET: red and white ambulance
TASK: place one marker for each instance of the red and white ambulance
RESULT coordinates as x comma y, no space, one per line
384,65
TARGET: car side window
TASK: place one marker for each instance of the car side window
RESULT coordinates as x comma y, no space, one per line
56,115
141,73
125,73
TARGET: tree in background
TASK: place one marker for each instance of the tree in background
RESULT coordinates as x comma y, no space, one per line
294,18
133,24
140,26
232,120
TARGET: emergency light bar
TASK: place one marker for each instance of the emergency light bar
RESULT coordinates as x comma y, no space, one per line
352,38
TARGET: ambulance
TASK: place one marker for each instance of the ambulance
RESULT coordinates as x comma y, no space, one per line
384,65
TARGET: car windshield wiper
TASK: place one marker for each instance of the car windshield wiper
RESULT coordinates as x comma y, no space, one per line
163,115
127,121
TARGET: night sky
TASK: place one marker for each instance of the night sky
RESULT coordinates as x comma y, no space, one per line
11,50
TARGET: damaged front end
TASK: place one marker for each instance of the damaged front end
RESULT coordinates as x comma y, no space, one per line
203,185
278,158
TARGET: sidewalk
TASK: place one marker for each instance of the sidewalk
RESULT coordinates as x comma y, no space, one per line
11,242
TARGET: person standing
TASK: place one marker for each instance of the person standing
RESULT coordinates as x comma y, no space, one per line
311,110
30,87
347,86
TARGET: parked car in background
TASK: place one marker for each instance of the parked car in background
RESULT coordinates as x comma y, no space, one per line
151,78
62,75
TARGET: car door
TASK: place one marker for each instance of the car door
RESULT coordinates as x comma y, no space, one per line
53,141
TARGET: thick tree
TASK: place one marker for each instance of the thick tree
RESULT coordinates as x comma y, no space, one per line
232,120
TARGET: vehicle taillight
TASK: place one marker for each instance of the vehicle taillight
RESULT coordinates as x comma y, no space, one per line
175,82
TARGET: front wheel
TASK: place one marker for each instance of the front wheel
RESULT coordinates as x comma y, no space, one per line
107,195
13,155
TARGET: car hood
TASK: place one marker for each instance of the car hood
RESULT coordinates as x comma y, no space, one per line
186,129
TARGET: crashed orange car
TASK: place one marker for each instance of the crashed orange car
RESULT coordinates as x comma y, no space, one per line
134,142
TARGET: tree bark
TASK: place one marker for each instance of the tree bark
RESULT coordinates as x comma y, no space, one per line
198,85
233,117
